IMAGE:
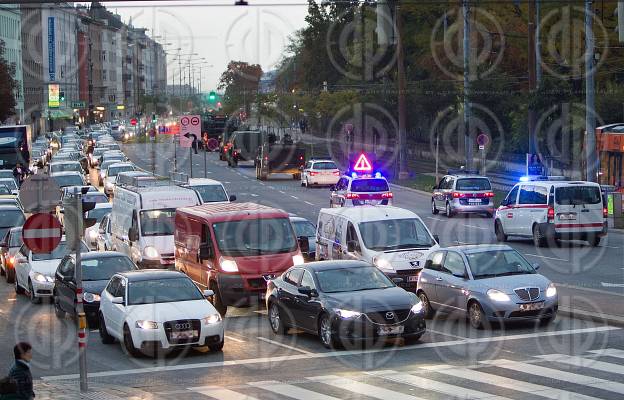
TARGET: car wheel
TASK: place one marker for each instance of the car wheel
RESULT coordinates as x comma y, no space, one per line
104,335
476,315
539,240
216,346
58,311
499,232
31,294
10,275
594,240
2,271
449,212
18,288
326,334
427,310
275,319
217,302
128,343
434,209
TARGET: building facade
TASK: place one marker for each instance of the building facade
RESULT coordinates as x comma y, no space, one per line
10,34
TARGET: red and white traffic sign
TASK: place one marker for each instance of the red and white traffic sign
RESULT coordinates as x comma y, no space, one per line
42,232
190,125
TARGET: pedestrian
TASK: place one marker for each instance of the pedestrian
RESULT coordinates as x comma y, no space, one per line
18,173
20,374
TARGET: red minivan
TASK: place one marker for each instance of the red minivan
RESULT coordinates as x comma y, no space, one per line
231,248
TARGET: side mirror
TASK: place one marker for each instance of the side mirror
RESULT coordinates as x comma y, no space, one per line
206,252
307,291
504,202
133,234
117,300
397,280
463,275
436,238
536,266
232,197
304,244
332,188
434,187
351,246
208,293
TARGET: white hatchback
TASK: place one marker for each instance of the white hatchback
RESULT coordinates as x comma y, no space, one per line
320,172
153,309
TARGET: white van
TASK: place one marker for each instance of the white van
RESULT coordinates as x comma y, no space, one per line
393,239
143,220
550,208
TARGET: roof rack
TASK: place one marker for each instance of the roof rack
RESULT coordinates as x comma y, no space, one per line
140,181
534,178
179,178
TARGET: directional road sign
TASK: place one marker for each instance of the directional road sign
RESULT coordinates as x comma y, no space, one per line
189,125
42,232
39,193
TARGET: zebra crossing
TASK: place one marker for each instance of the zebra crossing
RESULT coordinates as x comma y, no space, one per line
596,375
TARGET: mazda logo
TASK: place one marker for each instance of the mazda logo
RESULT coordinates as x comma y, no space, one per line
186,325
389,315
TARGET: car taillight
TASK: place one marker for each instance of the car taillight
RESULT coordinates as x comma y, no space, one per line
605,212
12,261
313,173
551,214
457,195
387,195
337,173
489,194
352,196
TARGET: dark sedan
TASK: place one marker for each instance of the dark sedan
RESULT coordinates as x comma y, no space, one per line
344,303
97,269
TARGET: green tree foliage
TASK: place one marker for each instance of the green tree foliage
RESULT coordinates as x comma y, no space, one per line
240,84
8,86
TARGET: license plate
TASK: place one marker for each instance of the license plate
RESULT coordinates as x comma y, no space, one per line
474,201
567,217
532,306
177,335
413,278
371,202
390,330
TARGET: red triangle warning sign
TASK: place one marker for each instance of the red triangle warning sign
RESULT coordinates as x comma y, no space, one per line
362,164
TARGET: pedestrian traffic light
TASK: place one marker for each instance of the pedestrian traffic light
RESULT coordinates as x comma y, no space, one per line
212,96
61,96
154,119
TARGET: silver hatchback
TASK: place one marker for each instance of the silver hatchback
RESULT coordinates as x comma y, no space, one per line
489,283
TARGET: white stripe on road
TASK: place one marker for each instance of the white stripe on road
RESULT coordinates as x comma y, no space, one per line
445,334
507,383
436,386
294,197
616,285
283,345
234,339
332,354
40,233
548,258
361,388
475,226
617,353
308,203
584,362
220,394
291,391
564,376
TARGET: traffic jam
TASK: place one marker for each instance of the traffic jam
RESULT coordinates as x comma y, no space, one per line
161,261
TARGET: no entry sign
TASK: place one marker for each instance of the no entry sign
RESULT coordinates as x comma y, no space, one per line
42,233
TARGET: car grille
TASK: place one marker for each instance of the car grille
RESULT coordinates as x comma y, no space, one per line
528,294
414,271
256,283
182,325
388,317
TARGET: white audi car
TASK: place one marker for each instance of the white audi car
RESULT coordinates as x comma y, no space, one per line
150,310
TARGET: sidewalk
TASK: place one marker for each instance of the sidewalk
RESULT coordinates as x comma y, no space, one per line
70,390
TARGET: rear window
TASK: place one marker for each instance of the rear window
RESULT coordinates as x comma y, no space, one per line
325,165
473,184
369,185
577,195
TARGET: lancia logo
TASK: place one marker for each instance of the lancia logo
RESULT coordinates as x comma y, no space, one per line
389,315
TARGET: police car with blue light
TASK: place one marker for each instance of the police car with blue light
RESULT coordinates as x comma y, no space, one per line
361,186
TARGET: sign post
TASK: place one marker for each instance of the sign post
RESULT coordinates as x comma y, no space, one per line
42,232
482,141
190,130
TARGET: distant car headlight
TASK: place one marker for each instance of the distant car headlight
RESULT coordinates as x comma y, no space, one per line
347,314
298,259
228,265
497,295
91,297
39,277
212,319
382,264
551,291
417,308
141,324
151,252
93,235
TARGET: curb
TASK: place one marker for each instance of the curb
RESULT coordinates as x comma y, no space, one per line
576,313
409,189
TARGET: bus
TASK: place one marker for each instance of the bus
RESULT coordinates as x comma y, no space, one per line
14,146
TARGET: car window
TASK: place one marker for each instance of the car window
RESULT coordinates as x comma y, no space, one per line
352,236
121,289
104,222
369,185
294,276
526,195
454,264
473,184
16,239
113,285
540,195
577,195
309,165
307,280
436,261
511,197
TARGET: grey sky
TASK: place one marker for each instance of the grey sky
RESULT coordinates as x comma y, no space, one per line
217,30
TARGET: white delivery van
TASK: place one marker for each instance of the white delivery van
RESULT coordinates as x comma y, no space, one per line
143,220
393,239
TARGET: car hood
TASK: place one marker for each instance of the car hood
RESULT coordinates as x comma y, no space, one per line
405,259
46,267
507,284
162,312
372,300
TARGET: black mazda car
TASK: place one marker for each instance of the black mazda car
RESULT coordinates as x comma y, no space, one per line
345,303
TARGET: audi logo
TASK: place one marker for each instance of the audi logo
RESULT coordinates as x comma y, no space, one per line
186,325
389,315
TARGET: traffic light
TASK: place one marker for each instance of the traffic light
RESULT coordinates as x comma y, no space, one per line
154,119
74,219
212,96
61,96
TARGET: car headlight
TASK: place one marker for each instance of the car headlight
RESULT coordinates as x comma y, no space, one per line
90,297
497,295
150,252
551,291
417,308
347,314
141,324
212,319
93,235
298,259
382,264
228,265
39,277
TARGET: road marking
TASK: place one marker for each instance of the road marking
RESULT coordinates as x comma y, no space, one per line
11,299
584,362
436,219
283,345
294,197
234,339
331,354
308,203
220,394
564,376
616,285
436,386
506,383
254,195
361,388
261,183
282,192
445,334
291,391
610,247
548,258
617,353
475,226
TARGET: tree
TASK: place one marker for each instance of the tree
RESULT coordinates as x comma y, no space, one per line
240,85
8,86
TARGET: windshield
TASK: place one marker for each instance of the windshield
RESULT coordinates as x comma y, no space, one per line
395,234
158,222
4,189
163,291
101,269
577,195
304,228
16,239
68,180
255,237
113,171
369,185
6,173
65,167
10,218
352,279
473,184
488,264
59,252
211,193
10,183
324,165
98,213
96,197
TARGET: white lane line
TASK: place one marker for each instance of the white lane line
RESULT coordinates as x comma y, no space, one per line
615,285
281,191
445,334
292,391
584,362
475,227
548,258
332,354
507,383
220,394
283,345
228,337
261,183
361,388
433,385
308,203
294,197
610,247
618,353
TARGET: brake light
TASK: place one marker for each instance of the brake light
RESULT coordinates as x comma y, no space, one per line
352,196
551,214
489,194
457,195
605,212
313,173
337,173
12,261
387,195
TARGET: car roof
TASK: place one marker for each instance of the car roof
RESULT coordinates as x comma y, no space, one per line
99,254
225,211
122,164
363,177
559,183
151,274
333,264
7,207
296,218
103,205
370,213
478,248
65,162
461,176
64,173
203,181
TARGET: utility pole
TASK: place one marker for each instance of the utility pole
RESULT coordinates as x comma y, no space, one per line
82,320
538,43
531,56
590,120
403,174
467,78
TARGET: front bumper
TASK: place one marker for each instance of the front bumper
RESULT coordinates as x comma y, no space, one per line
363,329
239,291
161,263
42,289
510,311
150,338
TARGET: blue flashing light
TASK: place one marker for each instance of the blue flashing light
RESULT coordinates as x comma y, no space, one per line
353,175
377,174
524,179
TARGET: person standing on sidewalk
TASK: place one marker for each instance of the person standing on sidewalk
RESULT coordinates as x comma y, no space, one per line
20,373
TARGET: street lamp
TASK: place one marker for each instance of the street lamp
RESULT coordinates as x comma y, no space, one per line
201,65
180,67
